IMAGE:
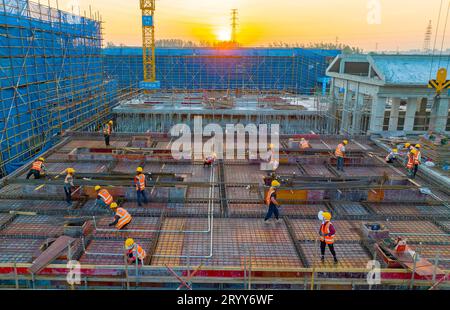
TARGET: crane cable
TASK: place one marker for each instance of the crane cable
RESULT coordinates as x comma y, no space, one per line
435,39
443,35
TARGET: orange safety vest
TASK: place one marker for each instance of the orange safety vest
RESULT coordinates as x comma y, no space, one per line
37,165
107,130
338,151
141,254
416,158
105,196
139,181
268,195
411,160
124,216
305,145
325,229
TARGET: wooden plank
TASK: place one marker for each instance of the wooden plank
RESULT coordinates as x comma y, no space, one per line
50,254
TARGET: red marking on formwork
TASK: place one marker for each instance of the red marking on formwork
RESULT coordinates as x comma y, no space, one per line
62,271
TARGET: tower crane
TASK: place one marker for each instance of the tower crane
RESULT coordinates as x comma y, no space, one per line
148,46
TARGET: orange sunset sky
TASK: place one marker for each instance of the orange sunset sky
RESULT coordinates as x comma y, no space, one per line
402,27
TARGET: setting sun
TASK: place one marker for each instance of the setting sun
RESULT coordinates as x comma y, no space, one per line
224,34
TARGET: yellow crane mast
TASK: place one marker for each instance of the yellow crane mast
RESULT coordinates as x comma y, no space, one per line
148,45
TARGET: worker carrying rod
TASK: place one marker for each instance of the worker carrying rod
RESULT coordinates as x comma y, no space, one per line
37,168
326,233
134,251
107,132
104,198
122,217
272,203
140,183
340,154
68,185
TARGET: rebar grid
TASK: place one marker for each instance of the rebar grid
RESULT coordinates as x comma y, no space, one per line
18,250
234,239
309,230
33,226
351,255
259,210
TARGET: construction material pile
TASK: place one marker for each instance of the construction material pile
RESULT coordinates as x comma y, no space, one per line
436,148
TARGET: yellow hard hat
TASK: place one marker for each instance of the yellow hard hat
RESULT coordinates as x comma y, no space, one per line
97,188
139,169
418,146
345,142
327,216
129,243
275,183
414,151
113,205
407,145
395,150
271,146
41,159
111,122
70,170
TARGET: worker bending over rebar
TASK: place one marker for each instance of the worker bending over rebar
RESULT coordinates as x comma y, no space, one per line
37,168
134,251
327,233
104,198
210,160
122,218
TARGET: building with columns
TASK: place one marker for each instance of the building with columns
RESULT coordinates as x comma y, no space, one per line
377,93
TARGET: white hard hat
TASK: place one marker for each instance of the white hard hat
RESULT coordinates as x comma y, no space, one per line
320,215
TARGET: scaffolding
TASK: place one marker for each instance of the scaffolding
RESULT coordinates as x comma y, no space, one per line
248,69
51,78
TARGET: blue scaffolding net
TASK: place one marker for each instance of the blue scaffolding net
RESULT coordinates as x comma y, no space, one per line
293,70
51,78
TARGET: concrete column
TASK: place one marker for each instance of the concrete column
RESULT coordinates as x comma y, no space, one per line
439,115
345,118
377,114
411,109
393,120
357,114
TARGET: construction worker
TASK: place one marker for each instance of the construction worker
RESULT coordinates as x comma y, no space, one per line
417,159
340,154
209,161
37,168
304,144
68,184
327,233
107,132
139,181
122,218
411,160
274,162
134,251
392,156
272,203
104,198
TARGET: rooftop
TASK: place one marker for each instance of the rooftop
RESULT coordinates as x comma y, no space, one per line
212,218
